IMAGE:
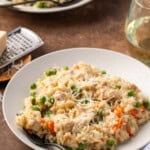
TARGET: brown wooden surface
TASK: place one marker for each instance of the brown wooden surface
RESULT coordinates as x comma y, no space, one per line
98,24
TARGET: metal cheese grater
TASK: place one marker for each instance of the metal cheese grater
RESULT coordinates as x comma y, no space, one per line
20,42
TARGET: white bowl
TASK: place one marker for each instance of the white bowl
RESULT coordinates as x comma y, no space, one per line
113,62
31,9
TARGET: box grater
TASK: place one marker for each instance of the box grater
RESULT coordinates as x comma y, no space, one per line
20,42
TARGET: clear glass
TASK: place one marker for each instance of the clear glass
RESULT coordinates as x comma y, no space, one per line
137,29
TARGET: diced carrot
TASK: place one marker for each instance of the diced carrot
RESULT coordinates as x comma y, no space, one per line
142,108
51,127
118,125
76,67
133,112
42,120
119,110
115,127
129,131
29,131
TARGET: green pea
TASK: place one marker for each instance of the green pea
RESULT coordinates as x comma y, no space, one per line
82,146
36,108
131,93
79,90
137,104
40,5
42,99
146,104
103,72
33,94
66,68
33,86
110,143
118,86
51,72
33,100
51,99
48,112
73,87
85,101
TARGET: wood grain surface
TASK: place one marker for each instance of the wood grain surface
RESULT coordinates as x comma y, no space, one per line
98,24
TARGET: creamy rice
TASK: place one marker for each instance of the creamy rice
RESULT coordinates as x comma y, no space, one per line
83,108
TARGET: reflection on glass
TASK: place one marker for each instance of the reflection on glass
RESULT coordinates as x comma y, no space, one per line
137,29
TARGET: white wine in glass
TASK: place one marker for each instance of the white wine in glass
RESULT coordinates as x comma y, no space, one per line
137,29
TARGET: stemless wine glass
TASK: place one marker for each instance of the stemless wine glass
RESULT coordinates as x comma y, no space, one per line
137,30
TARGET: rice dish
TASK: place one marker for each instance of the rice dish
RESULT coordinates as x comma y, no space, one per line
44,4
83,108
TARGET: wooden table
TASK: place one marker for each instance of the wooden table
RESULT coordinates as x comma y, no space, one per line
98,24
